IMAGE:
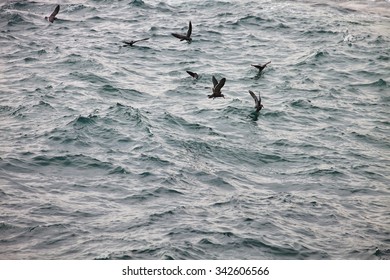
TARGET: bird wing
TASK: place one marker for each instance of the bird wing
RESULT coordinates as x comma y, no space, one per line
179,36
254,97
261,66
192,74
139,40
53,14
220,84
215,81
144,39
189,30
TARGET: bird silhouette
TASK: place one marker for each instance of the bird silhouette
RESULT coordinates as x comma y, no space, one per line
193,74
52,17
258,104
261,66
186,37
132,42
217,88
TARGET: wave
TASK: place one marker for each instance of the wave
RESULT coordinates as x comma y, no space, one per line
78,161
379,84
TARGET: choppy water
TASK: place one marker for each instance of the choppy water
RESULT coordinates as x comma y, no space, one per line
112,152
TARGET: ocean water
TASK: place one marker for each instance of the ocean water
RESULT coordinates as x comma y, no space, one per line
114,152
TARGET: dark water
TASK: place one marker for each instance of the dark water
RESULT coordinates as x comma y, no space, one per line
112,152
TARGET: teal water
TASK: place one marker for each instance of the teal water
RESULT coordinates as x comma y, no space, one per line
113,152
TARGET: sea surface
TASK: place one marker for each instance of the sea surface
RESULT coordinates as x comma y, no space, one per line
115,152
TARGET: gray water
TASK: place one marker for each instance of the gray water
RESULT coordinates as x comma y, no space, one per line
114,152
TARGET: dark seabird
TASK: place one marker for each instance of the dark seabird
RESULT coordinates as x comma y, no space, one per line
131,43
217,88
258,104
185,37
193,74
52,17
261,66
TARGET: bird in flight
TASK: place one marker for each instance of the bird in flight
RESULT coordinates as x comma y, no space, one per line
186,37
52,17
132,42
261,66
258,104
217,88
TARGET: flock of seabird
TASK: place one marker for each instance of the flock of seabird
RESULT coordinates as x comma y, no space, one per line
217,85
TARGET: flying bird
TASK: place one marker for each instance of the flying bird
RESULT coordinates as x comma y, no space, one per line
261,66
258,104
217,88
193,74
132,42
52,17
186,37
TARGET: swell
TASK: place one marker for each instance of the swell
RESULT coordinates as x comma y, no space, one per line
102,143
